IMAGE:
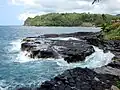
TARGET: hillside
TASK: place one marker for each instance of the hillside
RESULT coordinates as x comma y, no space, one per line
69,19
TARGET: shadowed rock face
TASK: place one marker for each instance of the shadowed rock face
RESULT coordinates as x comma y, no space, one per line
108,45
79,79
71,50
103,78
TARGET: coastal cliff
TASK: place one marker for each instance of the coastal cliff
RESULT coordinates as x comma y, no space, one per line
103,78
70,19
76,47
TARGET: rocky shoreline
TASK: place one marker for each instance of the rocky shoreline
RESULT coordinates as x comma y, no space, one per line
50,46
75,47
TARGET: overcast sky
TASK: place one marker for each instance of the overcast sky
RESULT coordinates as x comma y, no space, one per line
14,12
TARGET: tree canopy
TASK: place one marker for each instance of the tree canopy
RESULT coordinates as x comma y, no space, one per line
70,19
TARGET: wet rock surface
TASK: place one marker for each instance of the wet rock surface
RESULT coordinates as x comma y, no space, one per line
106,45
80,79
103,78
73,49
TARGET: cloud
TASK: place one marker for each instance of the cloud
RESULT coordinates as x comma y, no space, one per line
112,6
46,6
24,16
24,2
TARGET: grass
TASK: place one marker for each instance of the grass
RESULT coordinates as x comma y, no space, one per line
118,84
111,31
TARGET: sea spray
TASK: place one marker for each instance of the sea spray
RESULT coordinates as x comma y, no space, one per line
65,38
13,73
16,45
97,59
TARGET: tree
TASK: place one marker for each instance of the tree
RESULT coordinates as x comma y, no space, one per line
95,1
69,19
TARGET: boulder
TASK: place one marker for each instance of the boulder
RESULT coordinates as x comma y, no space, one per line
102,78
70,50
80,79
27,46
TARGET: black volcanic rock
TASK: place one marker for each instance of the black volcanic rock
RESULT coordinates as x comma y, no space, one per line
102,78
70,50
118,15
80,79
73,51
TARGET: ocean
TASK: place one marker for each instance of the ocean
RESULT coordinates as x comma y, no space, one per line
17,70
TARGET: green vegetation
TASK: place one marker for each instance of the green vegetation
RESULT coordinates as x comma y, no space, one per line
115,59
118,83
69,19
111,31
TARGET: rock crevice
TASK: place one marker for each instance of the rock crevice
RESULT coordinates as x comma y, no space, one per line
74,50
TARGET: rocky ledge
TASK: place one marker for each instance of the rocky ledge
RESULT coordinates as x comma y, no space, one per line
80,79
107,45
72,49
103,78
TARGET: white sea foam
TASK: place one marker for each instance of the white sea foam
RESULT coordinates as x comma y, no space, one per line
22,57
65,38
3,85
16,45
19,55
97,59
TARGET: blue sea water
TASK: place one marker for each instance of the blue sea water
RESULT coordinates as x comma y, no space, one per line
16,70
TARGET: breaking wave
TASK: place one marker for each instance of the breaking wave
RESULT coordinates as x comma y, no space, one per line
97,59
65,38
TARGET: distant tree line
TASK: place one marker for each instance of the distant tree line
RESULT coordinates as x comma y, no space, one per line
70,19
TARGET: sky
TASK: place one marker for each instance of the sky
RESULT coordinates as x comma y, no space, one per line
14,12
